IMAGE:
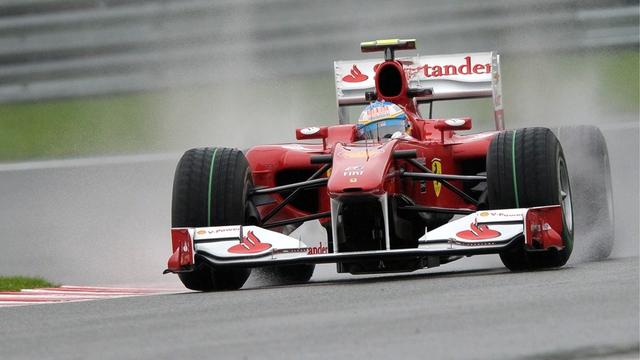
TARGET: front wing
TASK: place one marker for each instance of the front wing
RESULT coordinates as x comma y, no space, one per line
483,232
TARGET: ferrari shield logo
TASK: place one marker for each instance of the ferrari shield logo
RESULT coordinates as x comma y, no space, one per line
436,167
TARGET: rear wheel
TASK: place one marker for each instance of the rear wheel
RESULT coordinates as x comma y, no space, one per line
527,168
590,174
210,188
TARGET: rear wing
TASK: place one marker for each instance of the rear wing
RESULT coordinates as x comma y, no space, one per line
456,76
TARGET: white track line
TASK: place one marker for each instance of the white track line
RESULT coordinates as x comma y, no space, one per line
90,161
99,288
73,294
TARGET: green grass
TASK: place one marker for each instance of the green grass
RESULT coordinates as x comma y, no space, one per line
88,126
599,84
620,76
16,283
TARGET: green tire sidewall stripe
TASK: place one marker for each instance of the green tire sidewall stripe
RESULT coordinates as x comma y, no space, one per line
513,166
213,159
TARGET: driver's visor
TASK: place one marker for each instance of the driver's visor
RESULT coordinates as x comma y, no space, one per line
377,130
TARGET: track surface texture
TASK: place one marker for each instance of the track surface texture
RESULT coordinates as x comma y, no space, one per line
584,310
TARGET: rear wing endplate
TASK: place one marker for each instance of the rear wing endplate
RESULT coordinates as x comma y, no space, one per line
456,76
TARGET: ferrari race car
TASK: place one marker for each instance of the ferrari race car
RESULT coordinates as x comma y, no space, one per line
395,191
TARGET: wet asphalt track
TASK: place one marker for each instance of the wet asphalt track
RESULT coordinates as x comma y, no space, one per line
472,309
586,310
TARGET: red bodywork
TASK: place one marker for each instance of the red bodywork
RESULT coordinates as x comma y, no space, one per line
438,148
182,246
387,202
453,154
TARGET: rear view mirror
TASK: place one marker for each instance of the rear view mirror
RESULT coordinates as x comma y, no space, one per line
453,124
312,133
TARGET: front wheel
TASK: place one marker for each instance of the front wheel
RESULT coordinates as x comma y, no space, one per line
527,168
288,274
210,188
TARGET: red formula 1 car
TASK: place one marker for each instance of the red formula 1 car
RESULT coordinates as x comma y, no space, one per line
395,191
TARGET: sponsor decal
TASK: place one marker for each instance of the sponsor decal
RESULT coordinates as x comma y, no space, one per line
454,122
500,214
315,250
468,68
219,230
249,244
356,170
436,167
478,232
310,130
290,251
355,76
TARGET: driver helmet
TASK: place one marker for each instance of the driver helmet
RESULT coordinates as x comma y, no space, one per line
382,120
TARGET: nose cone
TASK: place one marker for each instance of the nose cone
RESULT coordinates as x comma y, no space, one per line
359,169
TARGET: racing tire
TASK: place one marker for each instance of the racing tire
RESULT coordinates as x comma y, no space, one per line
590,175
210,188
527,168
288,274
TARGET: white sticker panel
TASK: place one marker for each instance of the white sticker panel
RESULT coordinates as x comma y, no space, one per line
476,229
255,242
505,215
217,232
446,74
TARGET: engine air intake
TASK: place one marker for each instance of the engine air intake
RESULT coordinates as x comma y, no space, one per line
390,80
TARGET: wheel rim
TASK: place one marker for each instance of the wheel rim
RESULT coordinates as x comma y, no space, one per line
608,187
565,195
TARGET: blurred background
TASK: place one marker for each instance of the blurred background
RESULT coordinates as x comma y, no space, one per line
98,99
